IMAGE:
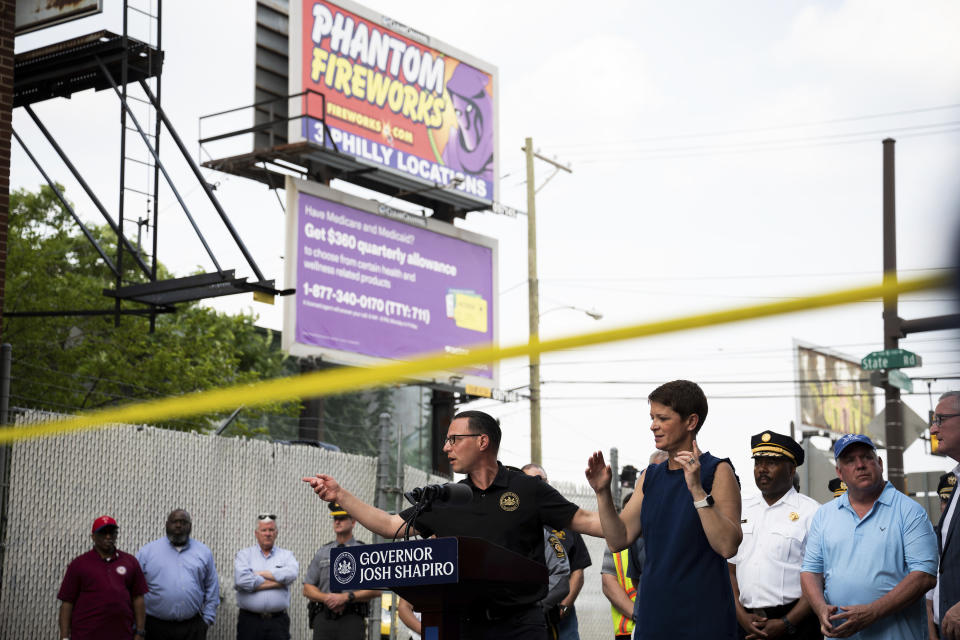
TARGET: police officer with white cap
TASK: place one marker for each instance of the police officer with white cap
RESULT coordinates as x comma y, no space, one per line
765,573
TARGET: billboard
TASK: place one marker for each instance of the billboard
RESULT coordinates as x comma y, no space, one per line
834,393
375,284
393,98
38,14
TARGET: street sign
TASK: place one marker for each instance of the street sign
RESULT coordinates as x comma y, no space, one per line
900,380
893,377
890,359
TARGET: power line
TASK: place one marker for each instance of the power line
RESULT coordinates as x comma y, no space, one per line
800,140
734,397
742,296
746,276
592,281
756,147
759,354
727,132
706,382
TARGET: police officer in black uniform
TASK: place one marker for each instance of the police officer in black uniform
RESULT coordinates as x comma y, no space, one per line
579,558
335,616
508,508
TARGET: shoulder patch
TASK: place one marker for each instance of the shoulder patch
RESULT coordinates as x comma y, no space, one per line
557,547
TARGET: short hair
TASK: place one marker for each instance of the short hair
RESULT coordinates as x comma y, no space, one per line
480,422
534,465
951,394
684,397
658,454
187,513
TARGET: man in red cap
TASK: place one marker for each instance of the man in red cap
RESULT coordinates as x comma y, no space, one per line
102,593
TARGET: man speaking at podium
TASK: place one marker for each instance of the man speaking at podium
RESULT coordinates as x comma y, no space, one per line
507,508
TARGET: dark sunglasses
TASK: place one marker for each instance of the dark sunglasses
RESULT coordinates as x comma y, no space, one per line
266,516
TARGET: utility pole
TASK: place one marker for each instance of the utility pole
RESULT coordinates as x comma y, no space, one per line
534,295
895,327
891,318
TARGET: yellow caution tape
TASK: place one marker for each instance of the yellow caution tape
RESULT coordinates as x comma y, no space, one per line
332,381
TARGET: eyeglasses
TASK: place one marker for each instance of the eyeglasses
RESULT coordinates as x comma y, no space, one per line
340,518
938,418
452,440
266,516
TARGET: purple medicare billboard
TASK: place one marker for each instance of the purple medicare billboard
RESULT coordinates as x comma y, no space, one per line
371,287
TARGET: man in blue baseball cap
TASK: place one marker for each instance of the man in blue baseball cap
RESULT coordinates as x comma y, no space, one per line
871,553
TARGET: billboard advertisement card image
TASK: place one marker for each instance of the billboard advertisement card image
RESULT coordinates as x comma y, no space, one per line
370,287
393,97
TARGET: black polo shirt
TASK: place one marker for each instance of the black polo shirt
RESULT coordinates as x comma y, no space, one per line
511,512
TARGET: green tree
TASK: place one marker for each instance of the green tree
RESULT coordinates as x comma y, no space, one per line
74,363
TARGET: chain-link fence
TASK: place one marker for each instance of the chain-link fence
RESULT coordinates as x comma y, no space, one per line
139,474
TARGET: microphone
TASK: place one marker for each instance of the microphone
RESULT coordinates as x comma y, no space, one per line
453,493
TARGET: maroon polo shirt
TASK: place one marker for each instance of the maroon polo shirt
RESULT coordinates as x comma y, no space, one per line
102,594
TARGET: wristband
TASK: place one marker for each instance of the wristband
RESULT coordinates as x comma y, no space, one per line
791,630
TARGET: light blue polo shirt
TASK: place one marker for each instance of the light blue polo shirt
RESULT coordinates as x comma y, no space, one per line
862,560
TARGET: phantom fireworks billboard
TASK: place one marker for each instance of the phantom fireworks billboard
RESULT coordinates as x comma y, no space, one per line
374,284
392,98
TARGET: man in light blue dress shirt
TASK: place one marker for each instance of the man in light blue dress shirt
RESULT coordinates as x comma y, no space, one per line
262,575
184,588
871,554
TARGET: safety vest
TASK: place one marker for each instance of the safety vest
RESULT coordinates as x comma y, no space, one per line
623,625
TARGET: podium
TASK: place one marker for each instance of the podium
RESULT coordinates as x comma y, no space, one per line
440,577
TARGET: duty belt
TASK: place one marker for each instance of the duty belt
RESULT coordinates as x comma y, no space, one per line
354,608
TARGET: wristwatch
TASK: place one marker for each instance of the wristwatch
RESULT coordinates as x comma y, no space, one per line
141,632
351,596
703,504
791,630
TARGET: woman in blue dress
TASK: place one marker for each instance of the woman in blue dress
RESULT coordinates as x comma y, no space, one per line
688,511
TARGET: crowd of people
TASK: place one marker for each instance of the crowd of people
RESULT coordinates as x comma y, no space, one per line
687,557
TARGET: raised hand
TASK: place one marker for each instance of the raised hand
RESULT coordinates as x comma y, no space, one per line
324,486
598,473
690,463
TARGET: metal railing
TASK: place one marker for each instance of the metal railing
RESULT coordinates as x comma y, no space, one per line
276,118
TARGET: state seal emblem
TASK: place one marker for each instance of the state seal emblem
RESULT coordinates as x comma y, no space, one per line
344,567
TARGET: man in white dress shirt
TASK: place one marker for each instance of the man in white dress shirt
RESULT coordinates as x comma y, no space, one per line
262,575
765,573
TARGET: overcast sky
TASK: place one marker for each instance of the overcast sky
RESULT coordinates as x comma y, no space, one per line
723,154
